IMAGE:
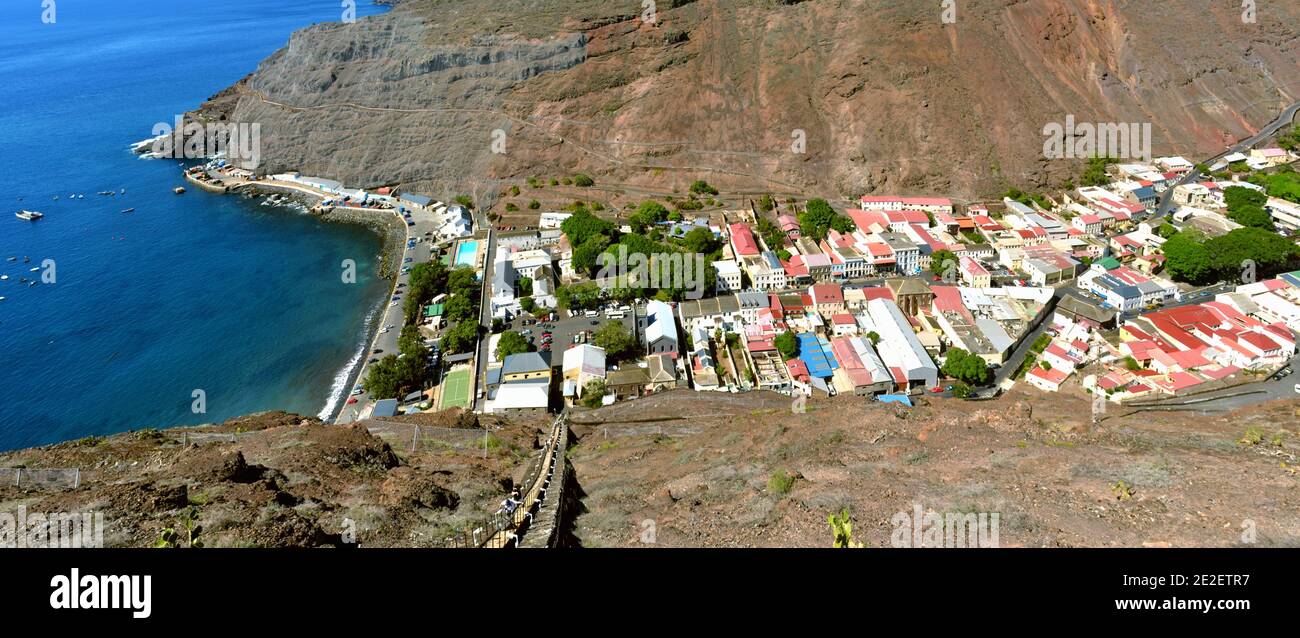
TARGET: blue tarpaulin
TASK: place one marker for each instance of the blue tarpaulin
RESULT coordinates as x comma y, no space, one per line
896,398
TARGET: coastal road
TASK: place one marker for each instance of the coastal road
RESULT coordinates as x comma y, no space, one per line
1286,117
385,343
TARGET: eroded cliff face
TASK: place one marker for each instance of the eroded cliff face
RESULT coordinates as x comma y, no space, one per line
885,95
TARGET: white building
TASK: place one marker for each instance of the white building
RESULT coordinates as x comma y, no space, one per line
729,279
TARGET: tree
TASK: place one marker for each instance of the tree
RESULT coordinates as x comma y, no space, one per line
701,240
525,285
580,296
582,226
966,367
465,201
1246,207
528,305
766,203
701,187
874,337
586,255
647,214
1186,258
618,343
458,308
818,218
787,344
593,392
512,342
460,338
583,180
940,259
534,204
463,281
1095,173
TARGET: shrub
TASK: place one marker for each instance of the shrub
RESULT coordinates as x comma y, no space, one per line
780,483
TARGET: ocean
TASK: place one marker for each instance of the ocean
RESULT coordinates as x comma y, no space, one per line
192,308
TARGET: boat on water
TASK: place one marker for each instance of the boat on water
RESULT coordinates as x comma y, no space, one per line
179,190
129,210
29,215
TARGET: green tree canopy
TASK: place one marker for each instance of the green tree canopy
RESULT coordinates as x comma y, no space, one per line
787,344
512,342
818,218
618,343
461,338
582,226
1246,207
966,367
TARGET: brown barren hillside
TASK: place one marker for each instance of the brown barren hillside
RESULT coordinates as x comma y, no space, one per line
885,95
280,480
746,472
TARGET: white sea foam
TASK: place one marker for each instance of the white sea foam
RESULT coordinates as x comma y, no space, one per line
339,387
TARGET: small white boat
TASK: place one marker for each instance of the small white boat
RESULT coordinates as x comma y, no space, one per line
179,190
34,270
4,277
2,298
29,215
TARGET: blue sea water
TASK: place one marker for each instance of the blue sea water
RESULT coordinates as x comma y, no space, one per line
194,292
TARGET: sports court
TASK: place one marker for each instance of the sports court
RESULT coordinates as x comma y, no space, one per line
455,389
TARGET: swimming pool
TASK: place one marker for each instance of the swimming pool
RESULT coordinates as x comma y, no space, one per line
465,254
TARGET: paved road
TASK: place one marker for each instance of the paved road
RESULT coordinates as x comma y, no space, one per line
393,312
485,318
1017,357
1167,198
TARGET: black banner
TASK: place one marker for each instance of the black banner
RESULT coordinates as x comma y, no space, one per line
144,588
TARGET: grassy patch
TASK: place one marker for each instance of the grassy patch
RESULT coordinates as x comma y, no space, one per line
780,483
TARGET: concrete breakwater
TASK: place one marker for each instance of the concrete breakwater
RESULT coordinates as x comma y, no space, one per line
384,222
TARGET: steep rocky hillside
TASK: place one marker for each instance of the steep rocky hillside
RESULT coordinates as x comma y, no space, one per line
279,480
746,472
887,97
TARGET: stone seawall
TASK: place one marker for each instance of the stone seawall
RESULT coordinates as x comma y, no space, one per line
383,222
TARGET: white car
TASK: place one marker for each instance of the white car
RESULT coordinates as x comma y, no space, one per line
1297,388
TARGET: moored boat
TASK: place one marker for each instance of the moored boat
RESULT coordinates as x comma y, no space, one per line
29,215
